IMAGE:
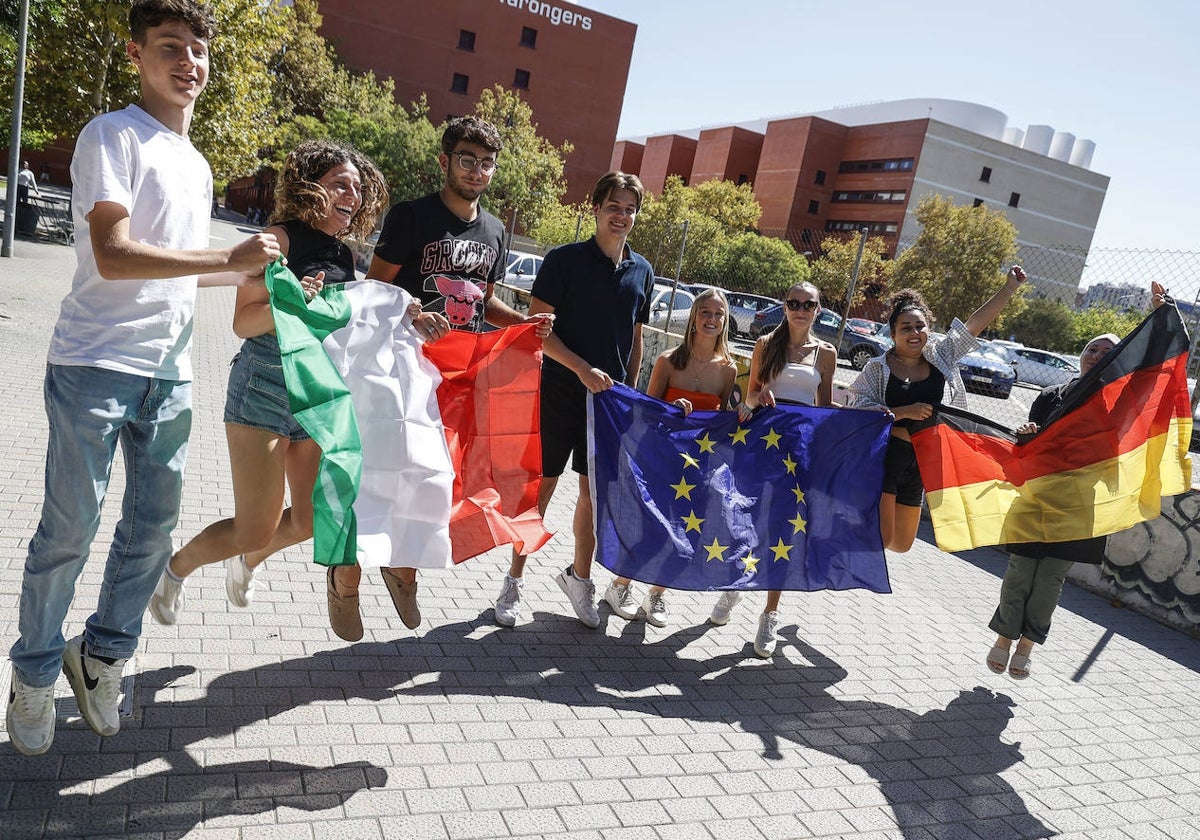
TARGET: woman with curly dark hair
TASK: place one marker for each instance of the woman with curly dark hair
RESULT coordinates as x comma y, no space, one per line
326,193
909,380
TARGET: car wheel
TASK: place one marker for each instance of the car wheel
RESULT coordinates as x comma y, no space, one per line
860,355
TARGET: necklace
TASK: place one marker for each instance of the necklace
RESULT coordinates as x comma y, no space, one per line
797,354
696,378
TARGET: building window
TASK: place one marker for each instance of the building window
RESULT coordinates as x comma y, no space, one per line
986,175
528,37
893,165
874,228
814,206
743,179
1014,199
521,79
977,203
886,197
466,40
819,179
459,83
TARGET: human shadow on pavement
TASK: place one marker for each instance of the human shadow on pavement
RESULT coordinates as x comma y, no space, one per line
185,794
939,771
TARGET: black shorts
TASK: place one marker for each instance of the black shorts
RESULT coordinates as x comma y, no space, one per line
564,427
901,475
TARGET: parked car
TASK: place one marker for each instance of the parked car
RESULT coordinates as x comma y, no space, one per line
522,269
1040,367
743,307
857,347
986,371
661,307
864,326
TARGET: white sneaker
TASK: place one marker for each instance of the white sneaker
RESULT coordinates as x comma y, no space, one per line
622,600
239,581
655,607
724,606
582,593
167,601
30,719
97,687
764,639
508,605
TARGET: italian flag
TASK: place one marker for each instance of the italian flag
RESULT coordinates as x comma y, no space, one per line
430,454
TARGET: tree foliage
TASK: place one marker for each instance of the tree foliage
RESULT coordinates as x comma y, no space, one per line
562,224
1097,320
749,262
959,259
1045,323
832,270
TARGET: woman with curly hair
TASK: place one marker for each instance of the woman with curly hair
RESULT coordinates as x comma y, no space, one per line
909,380
326,193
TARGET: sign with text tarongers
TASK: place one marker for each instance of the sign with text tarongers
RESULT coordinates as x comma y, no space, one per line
555,14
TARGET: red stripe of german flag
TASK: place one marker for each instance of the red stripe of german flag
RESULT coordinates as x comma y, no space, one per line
1102,463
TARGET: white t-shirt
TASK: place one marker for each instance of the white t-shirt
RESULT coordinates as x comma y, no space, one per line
141,327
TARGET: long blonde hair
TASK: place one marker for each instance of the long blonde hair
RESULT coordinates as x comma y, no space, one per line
682,354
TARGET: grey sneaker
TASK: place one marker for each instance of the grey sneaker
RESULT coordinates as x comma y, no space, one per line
30,718
239,581
655,607
723,607
508,605
622,600
764,639
167,601
97,687
582,593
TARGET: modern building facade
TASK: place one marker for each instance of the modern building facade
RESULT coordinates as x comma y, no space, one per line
869,166
569,63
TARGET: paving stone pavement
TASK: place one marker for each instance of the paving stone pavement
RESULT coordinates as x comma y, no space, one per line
875,719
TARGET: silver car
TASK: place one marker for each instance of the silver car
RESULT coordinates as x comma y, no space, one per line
1040,367
743,306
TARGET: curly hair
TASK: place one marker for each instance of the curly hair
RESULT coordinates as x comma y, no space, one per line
146,14
775,352
681,356
299,194
907,300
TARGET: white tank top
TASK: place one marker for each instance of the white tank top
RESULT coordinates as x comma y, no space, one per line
798,382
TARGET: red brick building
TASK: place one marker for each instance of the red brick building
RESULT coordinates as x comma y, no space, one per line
569,63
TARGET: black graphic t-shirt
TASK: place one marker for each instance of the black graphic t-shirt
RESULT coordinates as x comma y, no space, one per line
444,262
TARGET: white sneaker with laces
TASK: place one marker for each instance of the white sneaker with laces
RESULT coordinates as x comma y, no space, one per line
582,592
97,687
655,607
622,600
30,719
167,601
239,581
508,605
723,607
764,639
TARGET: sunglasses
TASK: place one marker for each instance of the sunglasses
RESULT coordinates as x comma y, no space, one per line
806,305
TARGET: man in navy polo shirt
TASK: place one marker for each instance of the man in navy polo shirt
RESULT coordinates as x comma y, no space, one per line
599,292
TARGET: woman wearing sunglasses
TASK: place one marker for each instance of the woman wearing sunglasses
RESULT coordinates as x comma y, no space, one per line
910,380
789,365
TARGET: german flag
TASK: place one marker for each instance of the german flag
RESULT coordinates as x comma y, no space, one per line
1103,461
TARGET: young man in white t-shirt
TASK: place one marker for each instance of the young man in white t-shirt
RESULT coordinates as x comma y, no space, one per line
119,372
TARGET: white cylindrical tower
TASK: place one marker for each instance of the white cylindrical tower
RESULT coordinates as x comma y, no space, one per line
1037,139
1061,145
1081,153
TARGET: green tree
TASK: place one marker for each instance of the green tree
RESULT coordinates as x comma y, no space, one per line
1045,323
1097,320
959,258
749,262
832,270
529,178
562,224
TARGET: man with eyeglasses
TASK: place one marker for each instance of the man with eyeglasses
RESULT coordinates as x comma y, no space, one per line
448,252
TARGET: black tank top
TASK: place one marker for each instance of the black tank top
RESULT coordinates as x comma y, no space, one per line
899,392
311,250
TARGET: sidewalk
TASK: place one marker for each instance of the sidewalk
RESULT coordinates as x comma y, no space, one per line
876,718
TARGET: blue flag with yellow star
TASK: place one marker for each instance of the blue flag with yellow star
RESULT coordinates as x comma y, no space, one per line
788,500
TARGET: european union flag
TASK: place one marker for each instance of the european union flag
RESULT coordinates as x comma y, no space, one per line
789,500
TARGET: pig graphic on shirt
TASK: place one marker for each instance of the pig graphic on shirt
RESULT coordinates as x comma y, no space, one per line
461,298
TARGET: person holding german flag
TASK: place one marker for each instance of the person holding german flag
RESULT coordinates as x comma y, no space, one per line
1034,578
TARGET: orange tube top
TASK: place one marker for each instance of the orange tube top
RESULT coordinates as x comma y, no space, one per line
700,401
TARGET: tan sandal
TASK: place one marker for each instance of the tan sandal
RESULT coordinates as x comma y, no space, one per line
344,616
404,599
997,659
1019,667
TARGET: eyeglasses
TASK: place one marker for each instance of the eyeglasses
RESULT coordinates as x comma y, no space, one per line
806,305
468,161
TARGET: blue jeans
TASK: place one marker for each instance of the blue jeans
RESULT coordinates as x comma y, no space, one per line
89,410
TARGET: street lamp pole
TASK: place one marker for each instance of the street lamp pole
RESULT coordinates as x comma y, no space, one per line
14,141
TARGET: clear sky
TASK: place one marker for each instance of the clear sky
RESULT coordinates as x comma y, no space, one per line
1123,73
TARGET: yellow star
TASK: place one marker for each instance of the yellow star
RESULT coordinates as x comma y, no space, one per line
751,563
683,490
692,521
740,436
799,494
706,443
772,438
781,549
790,464
715,550
798,523
688,460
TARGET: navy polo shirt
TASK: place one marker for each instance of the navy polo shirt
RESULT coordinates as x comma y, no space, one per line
595,306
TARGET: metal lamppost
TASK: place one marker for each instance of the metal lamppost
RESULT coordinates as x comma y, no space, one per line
14,141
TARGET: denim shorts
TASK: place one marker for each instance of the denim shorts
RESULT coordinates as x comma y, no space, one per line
257,395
